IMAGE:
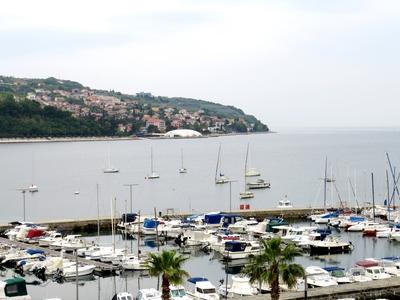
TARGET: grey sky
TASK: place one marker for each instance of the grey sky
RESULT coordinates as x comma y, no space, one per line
290,63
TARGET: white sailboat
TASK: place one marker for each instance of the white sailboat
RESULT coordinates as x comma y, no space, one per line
220,178
246,194
250,172
153,175
108,168
182,169
33,188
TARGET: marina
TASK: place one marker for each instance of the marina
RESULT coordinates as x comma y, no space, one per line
298,217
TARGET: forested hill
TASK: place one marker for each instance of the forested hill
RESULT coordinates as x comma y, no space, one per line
114,112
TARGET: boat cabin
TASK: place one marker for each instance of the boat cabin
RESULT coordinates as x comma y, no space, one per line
148,294
14,288
203,289
122,296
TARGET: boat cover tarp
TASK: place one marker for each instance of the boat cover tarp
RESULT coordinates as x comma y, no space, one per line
235,246
197,279
357,219
34,251
129,218
367,263
32,233
212,218
150,223
333,268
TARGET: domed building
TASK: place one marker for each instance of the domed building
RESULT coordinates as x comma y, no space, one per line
183,133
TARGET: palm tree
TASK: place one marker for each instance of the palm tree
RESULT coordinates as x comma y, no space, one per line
169,265
273,263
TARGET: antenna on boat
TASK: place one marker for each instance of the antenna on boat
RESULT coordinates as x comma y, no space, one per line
373,195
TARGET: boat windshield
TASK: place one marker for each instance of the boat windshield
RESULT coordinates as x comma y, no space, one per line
209,291
338,273
178,293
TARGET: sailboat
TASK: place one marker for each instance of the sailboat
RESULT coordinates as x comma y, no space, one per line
220,178
33,188
246,194
109,168
182,169
250,172
153,175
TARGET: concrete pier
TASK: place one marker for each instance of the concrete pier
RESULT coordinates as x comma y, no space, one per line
388,288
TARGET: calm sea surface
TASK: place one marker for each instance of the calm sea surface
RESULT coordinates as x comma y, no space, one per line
292,161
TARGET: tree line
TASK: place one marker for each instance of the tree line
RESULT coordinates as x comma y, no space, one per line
27,118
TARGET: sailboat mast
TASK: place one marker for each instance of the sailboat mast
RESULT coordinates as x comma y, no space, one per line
112,222
151,159
98,213
181,158
138,235
326,167
245,166
216,168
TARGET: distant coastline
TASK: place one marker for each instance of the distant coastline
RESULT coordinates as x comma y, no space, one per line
109,138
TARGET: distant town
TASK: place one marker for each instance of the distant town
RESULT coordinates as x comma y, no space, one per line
139,114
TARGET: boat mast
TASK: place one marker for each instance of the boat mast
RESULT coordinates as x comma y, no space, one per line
112,222
216,168
138,236
151,160
325,179
388,194
182,158
373,195
245,167
98,213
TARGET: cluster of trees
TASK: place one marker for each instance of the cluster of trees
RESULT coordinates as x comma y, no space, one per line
27,118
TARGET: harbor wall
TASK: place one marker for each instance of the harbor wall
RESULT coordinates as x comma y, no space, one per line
89,225
388,289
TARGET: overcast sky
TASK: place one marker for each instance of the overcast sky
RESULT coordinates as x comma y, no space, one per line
290,63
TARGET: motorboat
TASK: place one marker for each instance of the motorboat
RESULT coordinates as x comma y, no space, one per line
395,236
201,288
294,233
372,229
50,238
376,273
318,277
330,245
110,170
338,274
246,195
16,255
242,226
357,274
126,220
258,184
170,229
240,286
33,188
284,203
390,267
240,249
69,243
14,288
134,263
122,296
372,269
83,270
178,292
148,294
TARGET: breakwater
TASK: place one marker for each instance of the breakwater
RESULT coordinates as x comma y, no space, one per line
89,225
